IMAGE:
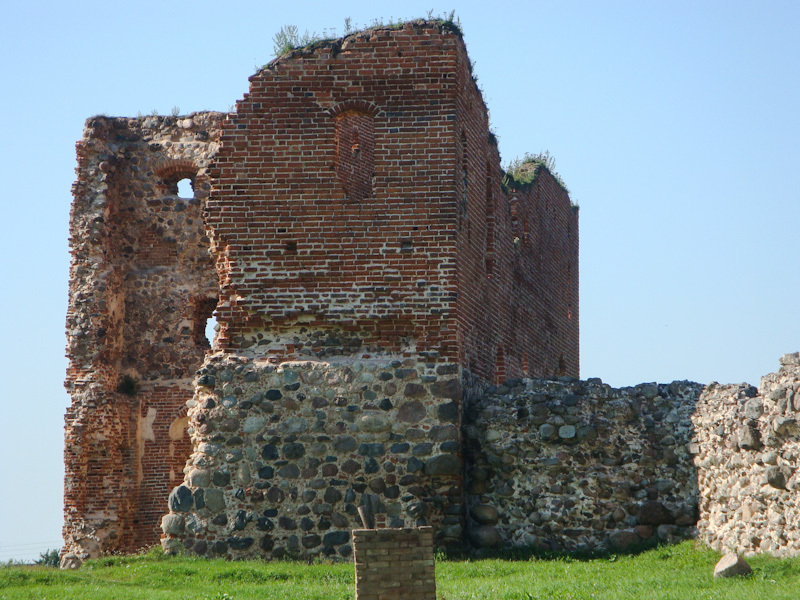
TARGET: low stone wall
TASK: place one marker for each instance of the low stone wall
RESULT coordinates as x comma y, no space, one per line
283,456
394,564
748,448
575,465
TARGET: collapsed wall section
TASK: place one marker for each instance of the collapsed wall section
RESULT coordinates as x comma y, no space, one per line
748,453
141,286
572,465
284,456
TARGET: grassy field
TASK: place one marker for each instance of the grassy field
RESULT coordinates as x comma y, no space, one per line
680,572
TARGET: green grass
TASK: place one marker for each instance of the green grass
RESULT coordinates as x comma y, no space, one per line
680,572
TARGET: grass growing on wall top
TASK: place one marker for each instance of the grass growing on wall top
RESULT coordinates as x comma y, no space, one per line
524,171
681,572
290,38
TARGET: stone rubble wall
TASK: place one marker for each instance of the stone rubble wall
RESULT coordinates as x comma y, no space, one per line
748,449
141,285
394,564
283,456
577,465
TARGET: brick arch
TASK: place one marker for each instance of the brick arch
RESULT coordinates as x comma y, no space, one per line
358,106
177,169
170,172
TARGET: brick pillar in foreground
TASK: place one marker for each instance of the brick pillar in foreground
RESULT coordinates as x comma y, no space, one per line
394,564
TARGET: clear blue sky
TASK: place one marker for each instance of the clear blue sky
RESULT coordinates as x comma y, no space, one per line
675,125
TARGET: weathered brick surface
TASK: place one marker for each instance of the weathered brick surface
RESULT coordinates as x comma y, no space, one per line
517,258
394,563
357,191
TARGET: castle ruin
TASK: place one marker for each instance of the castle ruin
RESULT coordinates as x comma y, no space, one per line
397,328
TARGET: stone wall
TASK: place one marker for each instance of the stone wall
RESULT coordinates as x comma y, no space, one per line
283,456
577,465
394,564
748,450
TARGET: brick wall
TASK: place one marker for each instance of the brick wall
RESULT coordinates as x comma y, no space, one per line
517,257
394,564
332,200
162,447
358,193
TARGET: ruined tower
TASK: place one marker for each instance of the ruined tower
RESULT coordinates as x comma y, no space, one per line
371,270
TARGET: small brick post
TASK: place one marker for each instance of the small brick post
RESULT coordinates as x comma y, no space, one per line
394,564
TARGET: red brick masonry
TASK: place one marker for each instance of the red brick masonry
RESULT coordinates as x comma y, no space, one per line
394,563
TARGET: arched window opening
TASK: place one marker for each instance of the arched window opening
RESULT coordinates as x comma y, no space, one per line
569,291
515,229
177,178
185,188
562,366
464,178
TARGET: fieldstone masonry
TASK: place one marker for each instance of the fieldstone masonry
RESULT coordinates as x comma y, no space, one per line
141,286
577,465
283,456
397,329
747,454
